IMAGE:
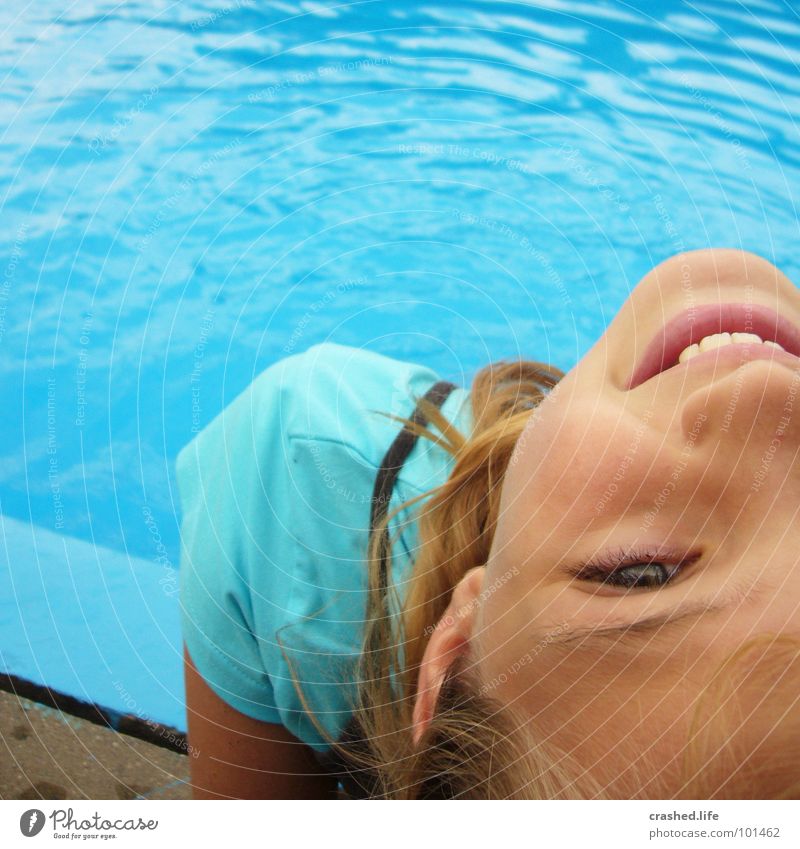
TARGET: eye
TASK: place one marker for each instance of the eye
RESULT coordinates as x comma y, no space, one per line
644,575
631,570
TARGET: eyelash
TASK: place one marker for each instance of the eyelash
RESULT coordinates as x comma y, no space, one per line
607,569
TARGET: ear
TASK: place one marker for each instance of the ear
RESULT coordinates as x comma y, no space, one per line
450,640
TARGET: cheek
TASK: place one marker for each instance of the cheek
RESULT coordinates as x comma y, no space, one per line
533,482
573,469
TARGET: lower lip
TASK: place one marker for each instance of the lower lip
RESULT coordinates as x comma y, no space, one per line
732,356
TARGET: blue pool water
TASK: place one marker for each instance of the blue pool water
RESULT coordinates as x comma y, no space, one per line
190,191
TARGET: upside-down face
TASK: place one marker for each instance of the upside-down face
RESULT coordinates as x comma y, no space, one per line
649,518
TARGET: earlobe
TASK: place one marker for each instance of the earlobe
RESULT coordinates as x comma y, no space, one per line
449,641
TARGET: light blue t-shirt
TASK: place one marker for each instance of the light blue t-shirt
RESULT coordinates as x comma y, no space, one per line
276,495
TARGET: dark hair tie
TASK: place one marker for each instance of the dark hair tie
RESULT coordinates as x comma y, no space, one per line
393,462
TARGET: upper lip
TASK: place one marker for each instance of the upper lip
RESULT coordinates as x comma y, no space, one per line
691,326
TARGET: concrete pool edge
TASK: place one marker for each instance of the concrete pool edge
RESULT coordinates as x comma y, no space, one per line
167,737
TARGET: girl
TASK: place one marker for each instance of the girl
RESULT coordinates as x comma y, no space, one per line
576,587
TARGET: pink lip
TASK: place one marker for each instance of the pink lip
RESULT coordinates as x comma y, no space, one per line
691,326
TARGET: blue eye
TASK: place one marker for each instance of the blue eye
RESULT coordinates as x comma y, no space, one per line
632,570
641,575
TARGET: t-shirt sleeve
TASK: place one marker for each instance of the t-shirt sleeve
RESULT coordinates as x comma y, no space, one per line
235,487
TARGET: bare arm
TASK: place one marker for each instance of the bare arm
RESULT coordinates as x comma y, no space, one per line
233,756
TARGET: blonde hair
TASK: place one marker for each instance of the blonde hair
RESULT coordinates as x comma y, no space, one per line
475,747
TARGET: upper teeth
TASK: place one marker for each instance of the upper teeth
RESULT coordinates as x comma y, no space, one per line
717,340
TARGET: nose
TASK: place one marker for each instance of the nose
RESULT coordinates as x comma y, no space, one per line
739,444
749,411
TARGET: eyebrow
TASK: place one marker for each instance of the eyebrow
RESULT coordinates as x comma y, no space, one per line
647,625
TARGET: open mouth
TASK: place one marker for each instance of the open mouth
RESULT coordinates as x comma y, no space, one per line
694,335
